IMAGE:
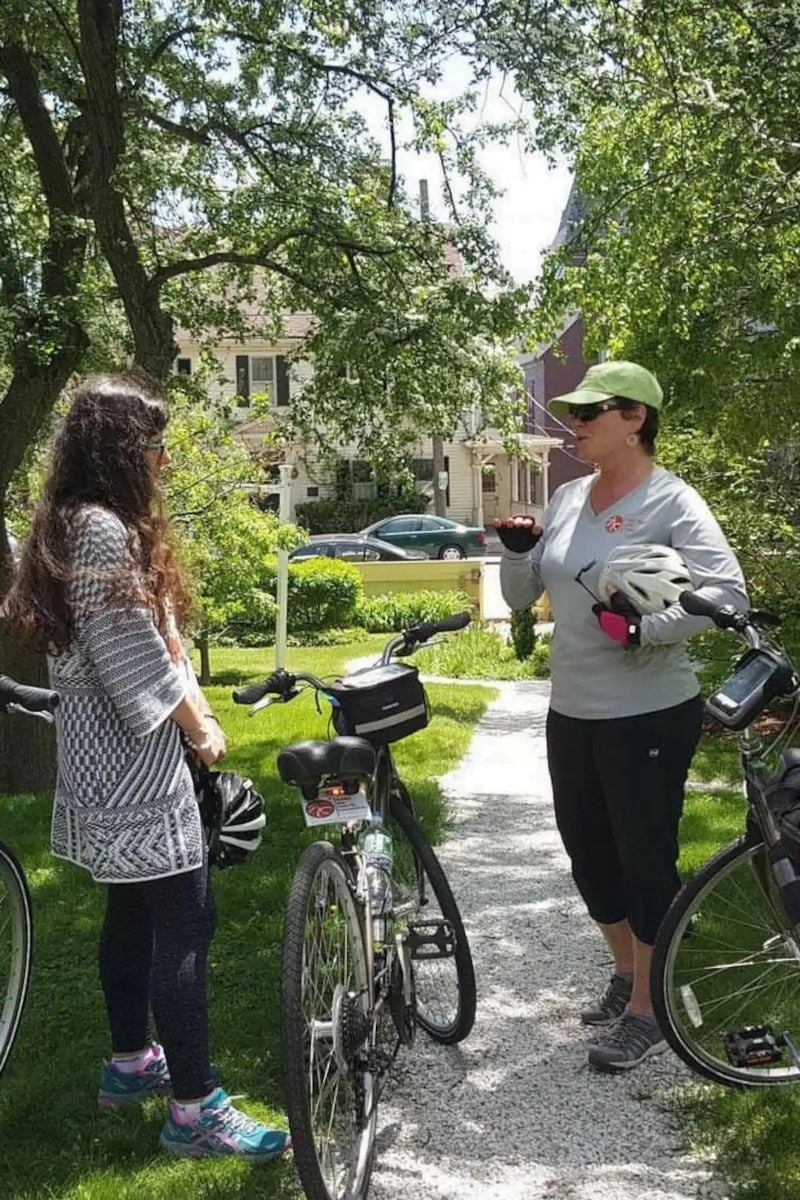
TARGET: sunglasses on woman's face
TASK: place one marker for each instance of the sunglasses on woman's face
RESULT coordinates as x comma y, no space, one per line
158,447
590,412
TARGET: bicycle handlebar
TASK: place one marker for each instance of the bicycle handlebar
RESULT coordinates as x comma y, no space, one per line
282,683
32,699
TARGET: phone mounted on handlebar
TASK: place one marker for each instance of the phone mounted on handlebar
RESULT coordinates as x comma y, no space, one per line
759,677
762,674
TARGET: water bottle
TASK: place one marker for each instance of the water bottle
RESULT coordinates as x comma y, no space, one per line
376,844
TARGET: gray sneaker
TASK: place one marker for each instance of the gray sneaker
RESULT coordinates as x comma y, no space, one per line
631,1041
612,1003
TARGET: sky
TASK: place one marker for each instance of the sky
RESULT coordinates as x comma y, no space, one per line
526,217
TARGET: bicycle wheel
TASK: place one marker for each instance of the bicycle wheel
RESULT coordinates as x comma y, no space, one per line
327,1031
726,973
445,987
16,948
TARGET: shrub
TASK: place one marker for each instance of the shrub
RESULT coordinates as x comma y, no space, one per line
323,594
394,611
350,516
480,653
523,632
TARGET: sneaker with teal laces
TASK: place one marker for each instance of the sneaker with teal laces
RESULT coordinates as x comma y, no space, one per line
119,1088
219,1130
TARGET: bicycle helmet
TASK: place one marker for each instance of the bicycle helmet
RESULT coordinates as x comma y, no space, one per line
651,578
232,812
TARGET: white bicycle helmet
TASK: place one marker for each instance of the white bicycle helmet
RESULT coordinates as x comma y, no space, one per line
650,577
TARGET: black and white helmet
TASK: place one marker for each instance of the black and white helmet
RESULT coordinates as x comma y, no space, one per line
233,817
650,577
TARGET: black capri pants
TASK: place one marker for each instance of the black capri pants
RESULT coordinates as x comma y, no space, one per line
153,956
618,788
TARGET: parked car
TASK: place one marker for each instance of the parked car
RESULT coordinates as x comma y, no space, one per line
439,537
355,548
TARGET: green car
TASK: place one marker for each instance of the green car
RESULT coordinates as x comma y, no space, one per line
439,537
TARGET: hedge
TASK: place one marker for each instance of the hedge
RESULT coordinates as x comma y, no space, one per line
351,516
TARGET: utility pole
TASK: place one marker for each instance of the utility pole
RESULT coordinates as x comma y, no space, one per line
439,475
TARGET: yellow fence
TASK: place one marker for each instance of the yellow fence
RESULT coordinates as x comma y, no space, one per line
433,575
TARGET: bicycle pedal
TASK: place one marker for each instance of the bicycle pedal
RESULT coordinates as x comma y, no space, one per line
431,939
753,1046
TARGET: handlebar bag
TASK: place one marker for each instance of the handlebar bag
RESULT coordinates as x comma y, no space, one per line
382,704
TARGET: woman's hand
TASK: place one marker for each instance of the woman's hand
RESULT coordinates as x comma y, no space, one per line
208,742
519,534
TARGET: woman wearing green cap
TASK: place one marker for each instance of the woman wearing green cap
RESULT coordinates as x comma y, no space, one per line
625,710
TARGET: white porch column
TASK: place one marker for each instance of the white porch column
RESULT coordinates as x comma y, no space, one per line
546,477
477,491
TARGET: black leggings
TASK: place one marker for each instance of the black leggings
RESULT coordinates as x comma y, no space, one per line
618,792
153,954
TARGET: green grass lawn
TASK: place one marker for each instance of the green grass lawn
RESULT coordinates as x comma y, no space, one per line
754,1135
54,1145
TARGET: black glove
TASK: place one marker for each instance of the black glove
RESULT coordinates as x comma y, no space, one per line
520,535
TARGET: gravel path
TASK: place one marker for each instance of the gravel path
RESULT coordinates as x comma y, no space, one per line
514,1113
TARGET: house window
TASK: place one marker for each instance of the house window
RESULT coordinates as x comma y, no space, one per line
262,373
184,366
312,491
423,474
524,483
489,479
262,370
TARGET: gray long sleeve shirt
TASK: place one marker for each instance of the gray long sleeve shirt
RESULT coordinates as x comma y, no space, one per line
592,676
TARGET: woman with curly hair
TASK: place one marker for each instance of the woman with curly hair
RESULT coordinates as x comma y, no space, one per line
100,589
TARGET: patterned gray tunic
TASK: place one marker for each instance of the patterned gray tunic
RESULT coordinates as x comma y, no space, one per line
125,807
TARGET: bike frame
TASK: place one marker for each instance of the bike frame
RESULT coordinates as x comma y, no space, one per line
757,782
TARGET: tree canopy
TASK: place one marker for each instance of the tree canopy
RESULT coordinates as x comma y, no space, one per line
688,165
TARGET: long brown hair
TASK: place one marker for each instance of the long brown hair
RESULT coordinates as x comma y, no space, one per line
99,457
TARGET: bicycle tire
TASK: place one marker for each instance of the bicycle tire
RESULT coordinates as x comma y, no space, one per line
725,959
16,949
457,1024
320,909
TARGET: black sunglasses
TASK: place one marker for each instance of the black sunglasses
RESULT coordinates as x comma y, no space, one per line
590,412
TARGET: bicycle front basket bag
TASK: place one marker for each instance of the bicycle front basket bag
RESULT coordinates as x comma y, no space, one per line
381,704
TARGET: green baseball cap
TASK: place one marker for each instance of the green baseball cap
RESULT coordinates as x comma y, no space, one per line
608,379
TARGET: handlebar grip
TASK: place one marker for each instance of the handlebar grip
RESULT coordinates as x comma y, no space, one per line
34,699
724,616
250,694
428,629
278,682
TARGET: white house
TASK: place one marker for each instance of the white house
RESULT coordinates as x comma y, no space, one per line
484,480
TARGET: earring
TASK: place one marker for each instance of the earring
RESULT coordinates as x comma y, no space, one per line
632,439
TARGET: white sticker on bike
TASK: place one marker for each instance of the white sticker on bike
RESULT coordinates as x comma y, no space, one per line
337,810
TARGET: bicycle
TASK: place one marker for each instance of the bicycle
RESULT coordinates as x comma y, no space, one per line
16,913
725,974
373,945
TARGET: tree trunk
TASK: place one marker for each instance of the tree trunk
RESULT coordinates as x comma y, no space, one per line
439,494
205,658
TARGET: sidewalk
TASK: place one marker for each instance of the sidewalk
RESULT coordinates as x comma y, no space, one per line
514,1113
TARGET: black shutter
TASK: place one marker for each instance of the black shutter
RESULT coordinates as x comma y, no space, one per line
243,378
282,387
447,468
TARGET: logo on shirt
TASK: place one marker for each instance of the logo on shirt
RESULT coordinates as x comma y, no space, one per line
625,524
